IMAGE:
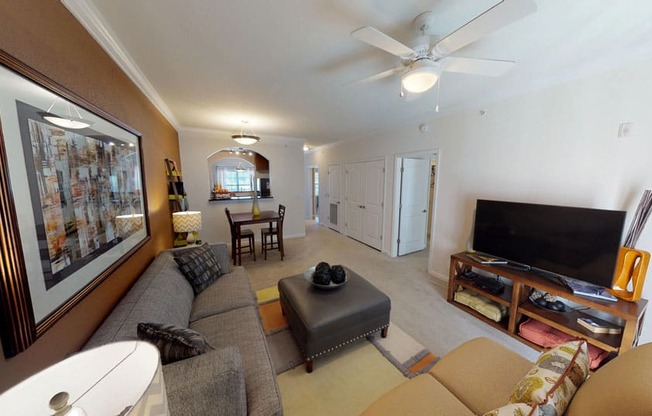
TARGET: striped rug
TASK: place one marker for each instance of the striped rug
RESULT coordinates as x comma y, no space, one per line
400,349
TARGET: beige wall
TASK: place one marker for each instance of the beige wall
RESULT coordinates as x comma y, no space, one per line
285,157
555,146
45,36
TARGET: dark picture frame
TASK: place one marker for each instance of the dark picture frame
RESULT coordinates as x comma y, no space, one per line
72,200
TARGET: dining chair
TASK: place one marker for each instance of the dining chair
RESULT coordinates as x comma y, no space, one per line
245,234
268,234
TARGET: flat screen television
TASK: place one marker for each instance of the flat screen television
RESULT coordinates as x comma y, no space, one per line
581,243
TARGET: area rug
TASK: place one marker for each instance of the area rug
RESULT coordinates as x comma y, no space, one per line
400,349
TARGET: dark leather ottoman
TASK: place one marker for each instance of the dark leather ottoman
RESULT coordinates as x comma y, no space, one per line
323,320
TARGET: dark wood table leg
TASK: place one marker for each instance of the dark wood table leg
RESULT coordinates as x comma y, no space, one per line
280,242
383,332
308,365
238,233
233,248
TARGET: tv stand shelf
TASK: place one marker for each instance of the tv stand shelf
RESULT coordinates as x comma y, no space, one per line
520,308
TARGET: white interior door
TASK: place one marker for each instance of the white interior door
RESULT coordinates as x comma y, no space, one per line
334,196
413,205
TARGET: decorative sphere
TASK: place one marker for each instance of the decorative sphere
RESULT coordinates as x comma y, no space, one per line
322,277
323,266
338,274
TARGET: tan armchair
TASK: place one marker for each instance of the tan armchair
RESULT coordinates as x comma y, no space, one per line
479,375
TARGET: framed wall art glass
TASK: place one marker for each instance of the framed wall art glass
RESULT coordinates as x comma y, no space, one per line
73,200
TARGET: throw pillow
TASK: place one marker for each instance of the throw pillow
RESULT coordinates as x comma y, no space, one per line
554,379
173,342
199,265
512,409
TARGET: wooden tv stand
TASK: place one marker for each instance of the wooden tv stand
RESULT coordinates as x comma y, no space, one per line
515,297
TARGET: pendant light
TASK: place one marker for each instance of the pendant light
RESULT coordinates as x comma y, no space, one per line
69,121
245,138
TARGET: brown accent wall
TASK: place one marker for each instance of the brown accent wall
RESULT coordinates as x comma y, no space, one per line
45,36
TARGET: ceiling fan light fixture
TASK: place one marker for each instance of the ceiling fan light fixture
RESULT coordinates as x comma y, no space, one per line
421,76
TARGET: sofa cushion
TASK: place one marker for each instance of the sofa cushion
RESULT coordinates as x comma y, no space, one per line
173,342
512,409
554,379
230,291
222,256
421,395
199,265
242,328
469,373
208,384
161,294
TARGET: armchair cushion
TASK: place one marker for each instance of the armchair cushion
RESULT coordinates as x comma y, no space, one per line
469,373
620,387
422,395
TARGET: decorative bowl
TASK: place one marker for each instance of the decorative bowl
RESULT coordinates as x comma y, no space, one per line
308,276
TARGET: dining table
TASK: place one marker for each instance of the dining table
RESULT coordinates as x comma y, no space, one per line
248,218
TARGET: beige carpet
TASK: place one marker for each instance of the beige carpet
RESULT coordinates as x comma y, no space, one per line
400,349
344,383
419,304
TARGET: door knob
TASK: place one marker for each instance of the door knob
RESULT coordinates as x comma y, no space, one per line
424,211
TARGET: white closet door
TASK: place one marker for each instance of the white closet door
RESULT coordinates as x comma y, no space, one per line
374,184
354,200
365,183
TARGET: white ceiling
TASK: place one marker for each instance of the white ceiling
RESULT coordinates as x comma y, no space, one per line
284,65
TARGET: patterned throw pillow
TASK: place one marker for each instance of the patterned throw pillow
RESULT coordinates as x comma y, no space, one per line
199,265
554,379
173,342
512,409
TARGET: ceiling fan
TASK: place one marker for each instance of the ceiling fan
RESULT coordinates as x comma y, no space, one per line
422,64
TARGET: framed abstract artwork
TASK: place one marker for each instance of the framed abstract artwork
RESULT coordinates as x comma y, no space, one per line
72,198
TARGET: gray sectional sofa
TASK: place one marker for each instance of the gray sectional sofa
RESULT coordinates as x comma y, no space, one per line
237,377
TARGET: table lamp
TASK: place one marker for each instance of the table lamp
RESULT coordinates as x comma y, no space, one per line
186,222
121,378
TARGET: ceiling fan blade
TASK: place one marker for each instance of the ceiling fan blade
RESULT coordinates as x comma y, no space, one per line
375,37
378,76
487,67
502,14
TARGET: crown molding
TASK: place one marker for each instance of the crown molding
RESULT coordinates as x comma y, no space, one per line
273,138
91,19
